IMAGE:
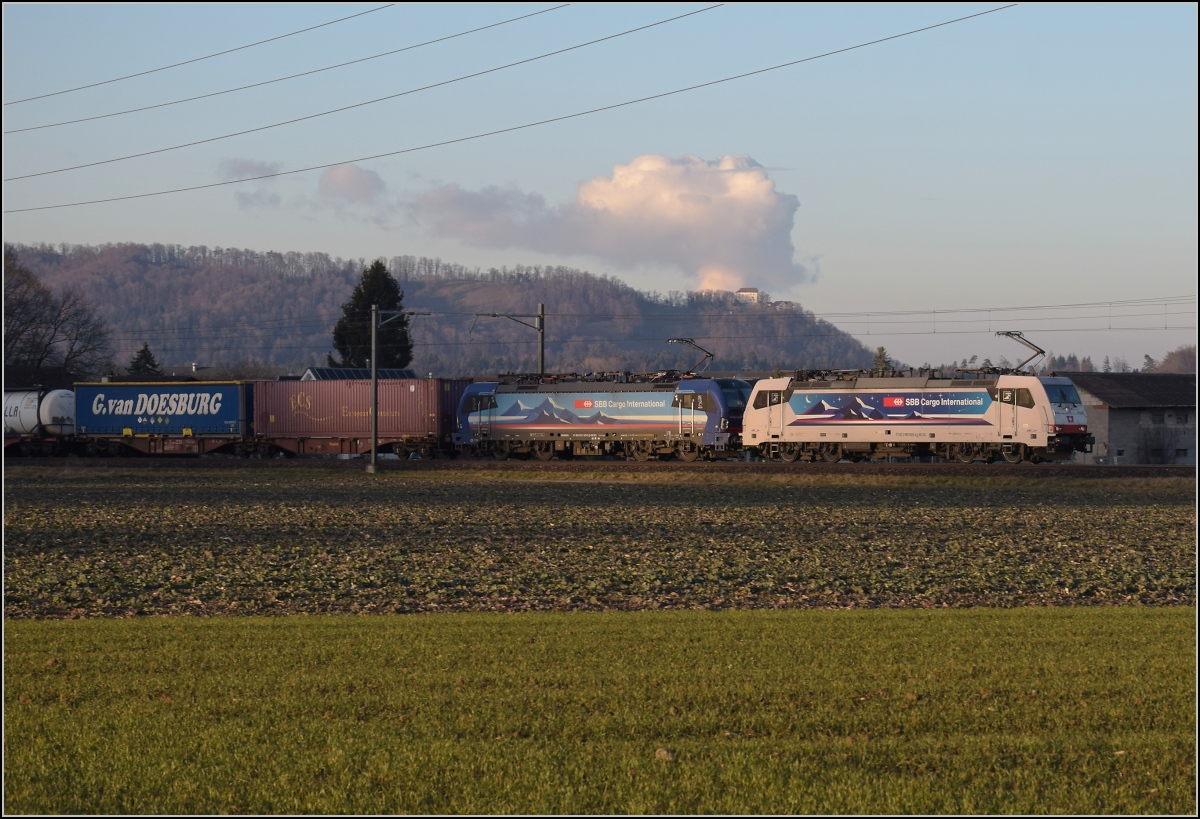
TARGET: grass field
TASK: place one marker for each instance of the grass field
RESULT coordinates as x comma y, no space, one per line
791,643
1075,710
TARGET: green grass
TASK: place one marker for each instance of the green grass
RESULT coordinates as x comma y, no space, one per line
1034,710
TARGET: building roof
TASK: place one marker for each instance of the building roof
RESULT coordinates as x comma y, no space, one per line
1138,390
353,373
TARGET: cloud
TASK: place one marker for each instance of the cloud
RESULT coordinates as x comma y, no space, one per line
350,183
245,168
257,199
720,220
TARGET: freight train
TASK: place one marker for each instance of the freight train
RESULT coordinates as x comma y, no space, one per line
812,416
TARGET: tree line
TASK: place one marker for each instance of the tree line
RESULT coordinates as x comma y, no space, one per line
239,310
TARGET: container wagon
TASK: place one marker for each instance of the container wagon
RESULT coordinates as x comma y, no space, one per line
189,418
416,415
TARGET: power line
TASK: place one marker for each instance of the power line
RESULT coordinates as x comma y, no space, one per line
361,104
198,59
515,127
289,77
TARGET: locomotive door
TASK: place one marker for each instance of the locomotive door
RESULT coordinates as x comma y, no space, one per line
486,407
1008,413
775,414
687,403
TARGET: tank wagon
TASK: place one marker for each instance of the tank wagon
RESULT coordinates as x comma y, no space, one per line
638,416
38,421
416,415
833,415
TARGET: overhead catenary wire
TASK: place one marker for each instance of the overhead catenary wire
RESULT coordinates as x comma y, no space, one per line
364,103
872,329
549,341
290,76
319,320
515,127
198,59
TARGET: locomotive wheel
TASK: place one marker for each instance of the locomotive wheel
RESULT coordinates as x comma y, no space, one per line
636,451
789,453
688,452
500,452
542,451
830,453
1016,456
964,453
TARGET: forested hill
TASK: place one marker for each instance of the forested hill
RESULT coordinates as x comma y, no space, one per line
226,307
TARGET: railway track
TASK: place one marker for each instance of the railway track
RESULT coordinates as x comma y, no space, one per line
591,466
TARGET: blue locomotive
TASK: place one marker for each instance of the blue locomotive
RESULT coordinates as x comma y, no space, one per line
638,416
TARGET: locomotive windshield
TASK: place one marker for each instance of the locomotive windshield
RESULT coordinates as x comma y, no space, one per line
736,392
1062,394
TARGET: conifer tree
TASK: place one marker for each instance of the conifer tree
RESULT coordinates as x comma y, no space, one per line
143,362
352,335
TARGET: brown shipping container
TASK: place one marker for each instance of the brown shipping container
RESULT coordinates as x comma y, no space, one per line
409,408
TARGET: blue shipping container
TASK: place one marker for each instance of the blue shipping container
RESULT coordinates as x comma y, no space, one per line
195,408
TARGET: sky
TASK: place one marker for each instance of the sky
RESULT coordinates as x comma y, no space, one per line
915,191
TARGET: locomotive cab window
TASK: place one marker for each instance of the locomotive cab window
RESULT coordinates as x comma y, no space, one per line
693,400
768,398
1062,394
1007,395
734,398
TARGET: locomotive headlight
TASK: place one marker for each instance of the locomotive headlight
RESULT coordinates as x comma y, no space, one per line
1053,429
724,423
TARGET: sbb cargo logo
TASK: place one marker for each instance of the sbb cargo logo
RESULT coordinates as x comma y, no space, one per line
583,403
893,401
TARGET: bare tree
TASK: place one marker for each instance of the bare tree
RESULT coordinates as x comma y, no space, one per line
27,304
42,330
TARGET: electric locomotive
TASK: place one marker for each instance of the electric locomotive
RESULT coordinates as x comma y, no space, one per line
829,416
637,415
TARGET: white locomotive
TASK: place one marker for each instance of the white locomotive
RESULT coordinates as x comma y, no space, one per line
831,416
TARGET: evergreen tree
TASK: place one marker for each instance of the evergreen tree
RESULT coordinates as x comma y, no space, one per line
352,335
880,361
143,362
1148,364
